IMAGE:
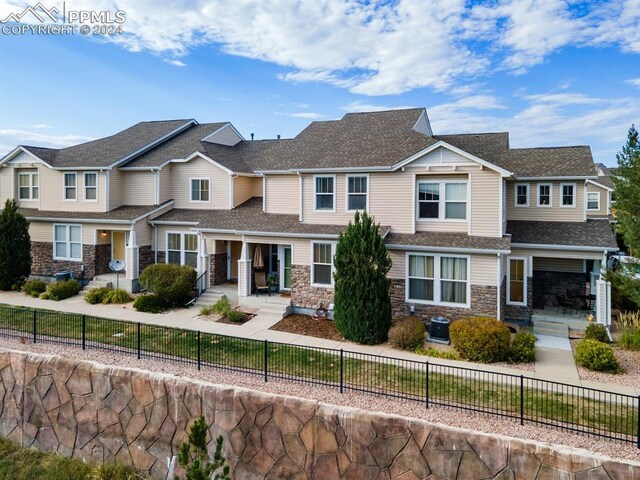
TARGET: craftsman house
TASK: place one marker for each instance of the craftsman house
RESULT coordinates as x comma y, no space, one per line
472,225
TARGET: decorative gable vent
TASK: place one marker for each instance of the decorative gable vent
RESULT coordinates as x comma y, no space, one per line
225,135
423,125
442,156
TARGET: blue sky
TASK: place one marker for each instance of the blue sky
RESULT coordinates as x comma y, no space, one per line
550,72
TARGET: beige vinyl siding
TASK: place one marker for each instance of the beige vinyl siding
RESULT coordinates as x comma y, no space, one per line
6,184
256,183
485,203
604,201
200,168
242,190
162,234
484,268
144,232
115,188
431,225
555,213
138,188
166,184
43,232
283,194
52,192
390,200
546,264
556,254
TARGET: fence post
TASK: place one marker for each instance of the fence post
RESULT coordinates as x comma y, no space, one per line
35,312
638,421
426,383
198,336
521,399
341,371
138,340
266,358
84,332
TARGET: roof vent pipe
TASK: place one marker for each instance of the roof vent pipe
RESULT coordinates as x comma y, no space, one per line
252,136
278,137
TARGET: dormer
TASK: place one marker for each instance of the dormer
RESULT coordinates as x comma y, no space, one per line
225,135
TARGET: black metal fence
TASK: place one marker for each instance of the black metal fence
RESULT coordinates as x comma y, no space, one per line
525,399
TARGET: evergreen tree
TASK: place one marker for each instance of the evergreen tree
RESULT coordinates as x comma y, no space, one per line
627,191
15,247
362,305
194,459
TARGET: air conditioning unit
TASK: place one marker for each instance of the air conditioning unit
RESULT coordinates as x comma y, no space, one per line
439,331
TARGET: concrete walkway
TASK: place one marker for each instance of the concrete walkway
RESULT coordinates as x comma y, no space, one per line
554,360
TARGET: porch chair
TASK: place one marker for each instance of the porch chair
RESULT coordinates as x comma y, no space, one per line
260,279
564,304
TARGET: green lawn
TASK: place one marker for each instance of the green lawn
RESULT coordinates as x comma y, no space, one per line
481,391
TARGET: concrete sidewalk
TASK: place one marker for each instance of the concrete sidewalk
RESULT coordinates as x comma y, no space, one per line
554,357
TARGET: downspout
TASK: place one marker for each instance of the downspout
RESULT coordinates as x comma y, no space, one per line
499,303
107,184
155,233
300,200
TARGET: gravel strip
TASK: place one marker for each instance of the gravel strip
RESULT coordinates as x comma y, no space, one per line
441,415
629,361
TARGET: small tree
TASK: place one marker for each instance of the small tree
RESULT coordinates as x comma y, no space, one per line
15,247
626,179
193,456
362,305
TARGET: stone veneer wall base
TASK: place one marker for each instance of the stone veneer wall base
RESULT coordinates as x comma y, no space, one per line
96,412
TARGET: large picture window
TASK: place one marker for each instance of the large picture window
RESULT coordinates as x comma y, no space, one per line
28,186
322,265
70,186
517,281
442,200
437,279
199,190
67,242
182,249
91,186
325,193
357,192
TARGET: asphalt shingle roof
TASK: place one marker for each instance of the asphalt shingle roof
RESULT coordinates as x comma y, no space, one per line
449,240
592,233
125,213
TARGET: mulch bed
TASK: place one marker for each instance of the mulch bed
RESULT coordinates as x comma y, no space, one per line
308,325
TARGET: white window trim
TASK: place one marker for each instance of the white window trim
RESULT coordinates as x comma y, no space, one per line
515,195
65,187
346,192
182,243
30,175
442,202
333,267
84,178
593,209
437,280
335,188
525,280
550,185
68,242
191,200
575,194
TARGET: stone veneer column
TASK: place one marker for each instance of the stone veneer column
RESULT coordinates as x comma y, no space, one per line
218,268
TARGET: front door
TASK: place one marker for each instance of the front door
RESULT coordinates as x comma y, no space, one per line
118,244
285,267
235,251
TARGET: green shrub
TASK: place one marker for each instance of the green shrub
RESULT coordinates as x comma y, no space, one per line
150,303
596,331
630,330
235,316
117,296
174,283
96,295
222,306
61,290
434,352
523,348
34,287
625,290
407,333
597,356
481,339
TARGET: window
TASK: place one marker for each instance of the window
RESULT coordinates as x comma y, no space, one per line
437,279
324,192
28,186
182,249
322,266
544,194
568,192
357,192
593,201
199,190
91,186
522,195
517,281
70,190
443,200
67,243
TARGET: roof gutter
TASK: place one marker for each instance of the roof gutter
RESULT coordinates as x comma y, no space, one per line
423,248
80,220
166,204
557,178
579,248
268,234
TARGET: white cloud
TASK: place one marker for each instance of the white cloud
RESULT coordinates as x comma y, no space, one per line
634,81
175,63
39,126
307,115
10,138
368,107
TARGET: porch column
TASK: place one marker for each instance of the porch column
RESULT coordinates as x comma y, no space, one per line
132,257
244,272
603,302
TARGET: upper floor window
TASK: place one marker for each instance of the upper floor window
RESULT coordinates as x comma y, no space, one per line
322,264
70,186
182,249
199,190
325,193
442,200
544,194
91,186
568,194
28,186
593,201
522,195
67,242
437,279
357,192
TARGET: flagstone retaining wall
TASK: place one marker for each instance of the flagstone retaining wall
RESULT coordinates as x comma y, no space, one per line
95,412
